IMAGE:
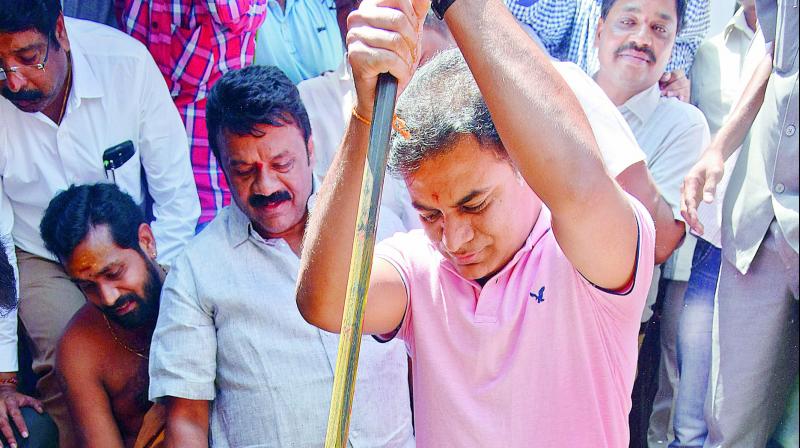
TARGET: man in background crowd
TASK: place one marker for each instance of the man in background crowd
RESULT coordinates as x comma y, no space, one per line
721,65
567,30
754,361
82,103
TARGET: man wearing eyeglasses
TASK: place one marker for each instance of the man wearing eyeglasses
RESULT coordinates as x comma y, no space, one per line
72,89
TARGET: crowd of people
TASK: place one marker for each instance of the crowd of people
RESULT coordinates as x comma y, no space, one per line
588,237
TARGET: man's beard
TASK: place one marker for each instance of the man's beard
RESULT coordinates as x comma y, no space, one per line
147,309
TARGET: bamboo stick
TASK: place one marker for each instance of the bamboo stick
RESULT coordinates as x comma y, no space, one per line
361,263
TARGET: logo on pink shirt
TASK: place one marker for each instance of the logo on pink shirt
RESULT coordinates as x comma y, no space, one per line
539,297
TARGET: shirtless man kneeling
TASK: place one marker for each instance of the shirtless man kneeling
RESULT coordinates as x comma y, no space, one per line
101,238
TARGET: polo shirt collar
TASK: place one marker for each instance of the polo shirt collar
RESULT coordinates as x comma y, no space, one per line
84,82
644,103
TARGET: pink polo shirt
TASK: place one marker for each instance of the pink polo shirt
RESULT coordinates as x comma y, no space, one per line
538,357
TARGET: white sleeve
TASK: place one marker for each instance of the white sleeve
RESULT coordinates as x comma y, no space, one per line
681,151
167,167
614,137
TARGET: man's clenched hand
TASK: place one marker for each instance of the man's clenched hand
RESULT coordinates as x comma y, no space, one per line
383,36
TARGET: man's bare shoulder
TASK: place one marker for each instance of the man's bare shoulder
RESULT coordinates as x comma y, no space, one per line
85,338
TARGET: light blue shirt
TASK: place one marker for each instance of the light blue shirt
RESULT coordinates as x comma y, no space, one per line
229,331
303,40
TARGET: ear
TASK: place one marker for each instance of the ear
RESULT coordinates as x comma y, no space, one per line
310,149
147,242
61,33
600,24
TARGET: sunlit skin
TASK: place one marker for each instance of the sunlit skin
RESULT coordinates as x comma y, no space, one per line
106,387
634,45
35,90
277,165
477,218
106,273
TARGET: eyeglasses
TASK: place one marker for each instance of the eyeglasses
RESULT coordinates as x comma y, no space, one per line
24,70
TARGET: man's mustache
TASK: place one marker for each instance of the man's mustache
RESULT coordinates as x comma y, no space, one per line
121,302
259,200
22,95
632,46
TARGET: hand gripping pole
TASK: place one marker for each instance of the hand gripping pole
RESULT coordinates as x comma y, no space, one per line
361,263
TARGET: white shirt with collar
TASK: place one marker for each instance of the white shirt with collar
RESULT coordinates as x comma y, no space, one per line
718,68
117,94
672,135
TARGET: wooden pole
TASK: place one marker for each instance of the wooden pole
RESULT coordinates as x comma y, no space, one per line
361,263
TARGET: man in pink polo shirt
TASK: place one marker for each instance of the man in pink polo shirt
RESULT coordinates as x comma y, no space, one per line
519,300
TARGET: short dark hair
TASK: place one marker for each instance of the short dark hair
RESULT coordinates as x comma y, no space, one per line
254,95
24,15
74,212
680,10
441,104
8,283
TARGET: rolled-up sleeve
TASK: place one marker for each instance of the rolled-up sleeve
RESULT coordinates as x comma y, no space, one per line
165,157
183,353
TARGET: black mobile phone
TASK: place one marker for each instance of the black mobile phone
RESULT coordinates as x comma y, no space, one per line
115,156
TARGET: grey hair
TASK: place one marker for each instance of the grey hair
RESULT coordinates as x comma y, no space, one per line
441,104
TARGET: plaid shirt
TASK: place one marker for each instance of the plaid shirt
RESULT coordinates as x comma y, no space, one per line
567,29
195,42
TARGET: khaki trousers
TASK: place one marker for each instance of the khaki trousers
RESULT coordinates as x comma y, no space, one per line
48,300
754,346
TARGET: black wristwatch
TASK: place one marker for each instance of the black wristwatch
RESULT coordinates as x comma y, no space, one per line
440,6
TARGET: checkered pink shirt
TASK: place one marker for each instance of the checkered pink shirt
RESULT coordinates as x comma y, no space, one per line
195,42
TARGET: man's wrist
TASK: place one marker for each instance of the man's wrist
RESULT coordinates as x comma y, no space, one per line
8,380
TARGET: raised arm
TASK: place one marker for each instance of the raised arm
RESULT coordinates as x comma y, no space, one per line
558,156
383,36
88,402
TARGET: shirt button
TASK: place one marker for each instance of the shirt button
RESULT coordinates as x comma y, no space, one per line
780,188
790,130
